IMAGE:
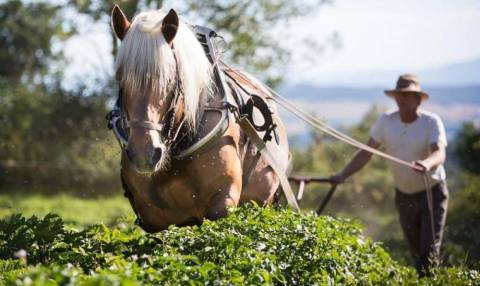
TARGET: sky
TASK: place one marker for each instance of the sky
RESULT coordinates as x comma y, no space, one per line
392,36
376,36
386,35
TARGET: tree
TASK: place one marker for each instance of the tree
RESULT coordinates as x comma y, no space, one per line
53,138
247,26
26,35
463,221
467,148
101,10
50,137
54,141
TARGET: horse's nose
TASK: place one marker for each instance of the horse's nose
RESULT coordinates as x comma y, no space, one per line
144,163
157,155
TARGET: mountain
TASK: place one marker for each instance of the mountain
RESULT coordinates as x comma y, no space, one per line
452,75
345,106
459,74
308,92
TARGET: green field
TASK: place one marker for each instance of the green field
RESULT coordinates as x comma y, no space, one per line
252,246
73,210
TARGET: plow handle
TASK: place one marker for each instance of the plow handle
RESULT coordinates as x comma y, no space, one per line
326,200
302,180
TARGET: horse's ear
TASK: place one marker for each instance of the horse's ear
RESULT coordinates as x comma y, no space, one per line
170,26
120,22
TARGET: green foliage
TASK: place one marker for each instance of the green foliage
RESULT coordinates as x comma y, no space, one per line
365,195
463,228
54,140
74,211
252,246
467,148
247,26
26,33
369,194
51,138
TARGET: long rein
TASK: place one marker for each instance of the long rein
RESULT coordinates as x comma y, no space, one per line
322,126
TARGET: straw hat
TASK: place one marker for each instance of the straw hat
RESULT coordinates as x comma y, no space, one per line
407,83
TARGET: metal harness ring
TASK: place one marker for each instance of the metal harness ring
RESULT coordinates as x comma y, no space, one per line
261,105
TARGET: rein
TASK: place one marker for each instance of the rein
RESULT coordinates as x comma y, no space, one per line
317,124
322,126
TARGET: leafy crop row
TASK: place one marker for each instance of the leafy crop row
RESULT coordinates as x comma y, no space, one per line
253,246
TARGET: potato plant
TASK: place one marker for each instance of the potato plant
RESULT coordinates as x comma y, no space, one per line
252,246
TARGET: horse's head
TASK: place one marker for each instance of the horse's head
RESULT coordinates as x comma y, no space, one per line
163,74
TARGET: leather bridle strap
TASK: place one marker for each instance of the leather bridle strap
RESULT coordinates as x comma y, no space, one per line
145,124
170,121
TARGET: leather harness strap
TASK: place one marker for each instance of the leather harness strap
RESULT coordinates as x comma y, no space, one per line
166,128
270,158
145,124
244,83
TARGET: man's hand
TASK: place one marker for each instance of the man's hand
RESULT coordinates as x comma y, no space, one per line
423,165
359,160
337,179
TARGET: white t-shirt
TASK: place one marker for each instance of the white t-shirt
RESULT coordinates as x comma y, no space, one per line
410,142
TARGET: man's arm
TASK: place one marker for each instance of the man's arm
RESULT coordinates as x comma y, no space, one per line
436,157
360,159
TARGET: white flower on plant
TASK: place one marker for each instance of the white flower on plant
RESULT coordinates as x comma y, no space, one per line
21,254
27,281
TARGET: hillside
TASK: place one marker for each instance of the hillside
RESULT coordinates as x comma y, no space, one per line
346,106
453,74
252,246
374,94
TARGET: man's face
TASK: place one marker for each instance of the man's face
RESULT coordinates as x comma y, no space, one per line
407,101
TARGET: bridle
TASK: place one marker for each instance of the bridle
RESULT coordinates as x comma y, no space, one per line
119,123
167,128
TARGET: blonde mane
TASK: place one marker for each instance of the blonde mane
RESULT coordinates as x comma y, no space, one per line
146,63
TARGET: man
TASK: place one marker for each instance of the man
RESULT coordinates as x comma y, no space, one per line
415,136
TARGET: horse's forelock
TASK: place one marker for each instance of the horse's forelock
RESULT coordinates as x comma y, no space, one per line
146,64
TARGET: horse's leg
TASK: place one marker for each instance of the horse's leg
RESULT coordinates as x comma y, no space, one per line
228,185
264,182
220,175
228,196
162,200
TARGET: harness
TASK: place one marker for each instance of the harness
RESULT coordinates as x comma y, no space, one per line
184,146
119,123
241,103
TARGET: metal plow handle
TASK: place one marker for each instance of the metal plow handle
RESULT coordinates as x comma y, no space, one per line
326,199
302,180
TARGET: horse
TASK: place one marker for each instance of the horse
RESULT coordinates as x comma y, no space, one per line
166,78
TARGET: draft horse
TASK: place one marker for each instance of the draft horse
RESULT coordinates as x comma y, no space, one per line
166,81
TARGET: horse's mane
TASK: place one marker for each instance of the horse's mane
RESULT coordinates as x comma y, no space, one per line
146,64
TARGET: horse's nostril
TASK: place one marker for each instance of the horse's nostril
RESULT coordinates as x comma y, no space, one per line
157,155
